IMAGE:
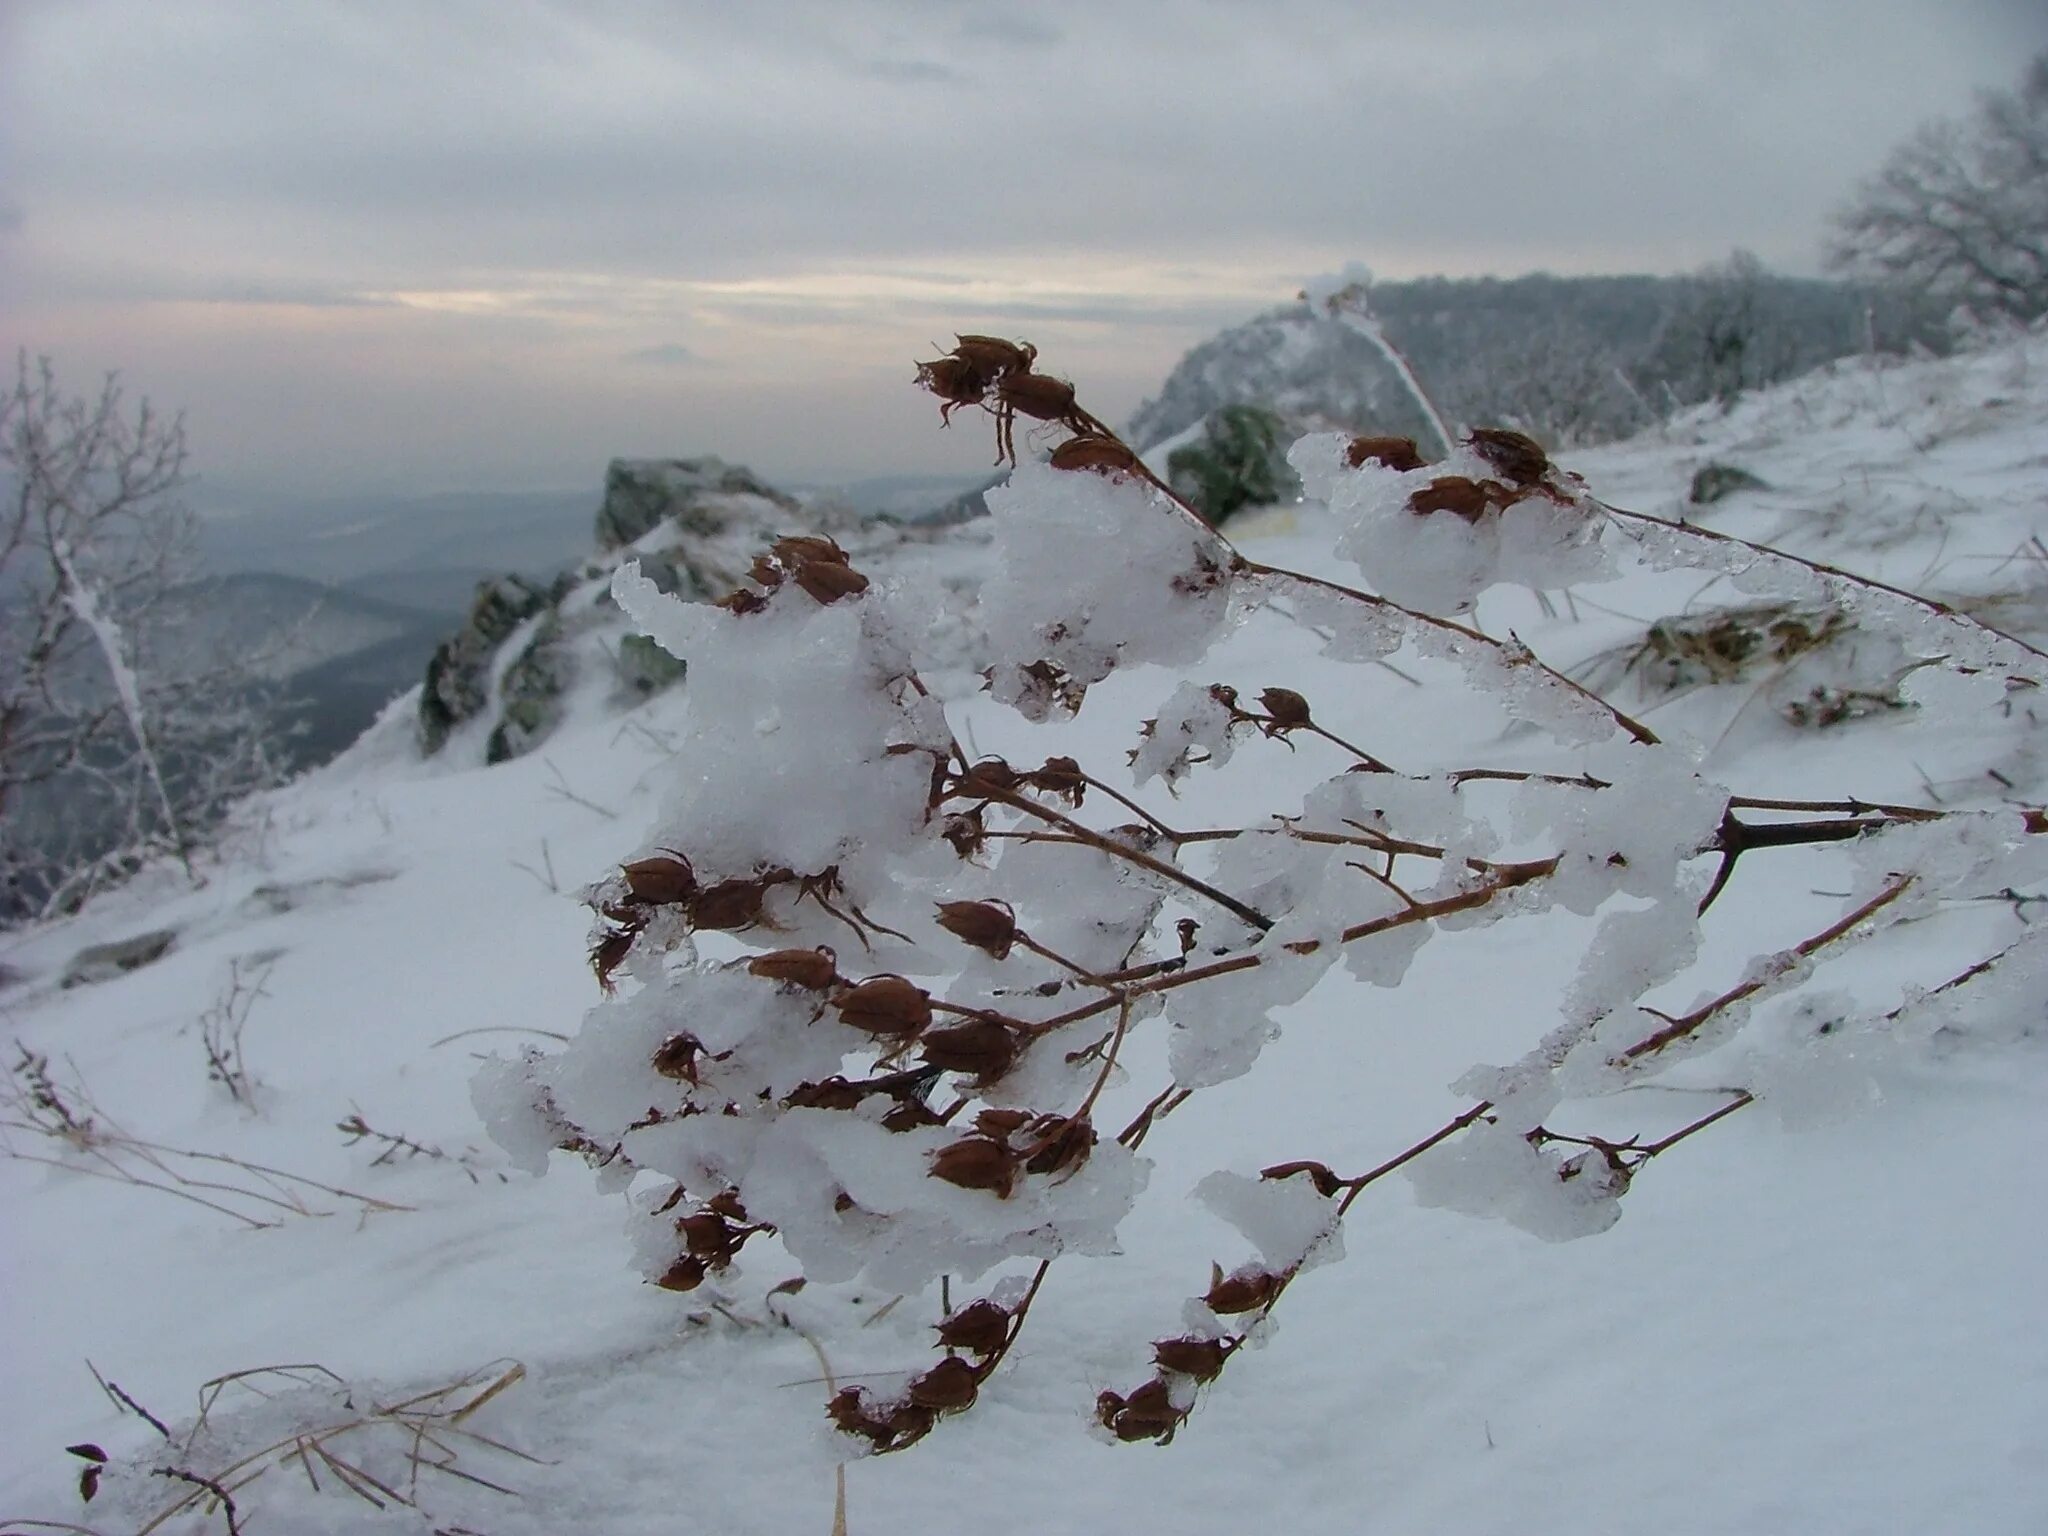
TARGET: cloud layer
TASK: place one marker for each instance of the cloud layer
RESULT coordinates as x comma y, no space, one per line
494,241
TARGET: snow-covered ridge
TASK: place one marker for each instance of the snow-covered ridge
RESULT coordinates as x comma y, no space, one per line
1833,1333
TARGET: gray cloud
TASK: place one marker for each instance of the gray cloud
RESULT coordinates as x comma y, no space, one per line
507,201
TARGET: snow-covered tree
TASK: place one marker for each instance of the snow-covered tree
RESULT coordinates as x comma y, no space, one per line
1961,208
119,741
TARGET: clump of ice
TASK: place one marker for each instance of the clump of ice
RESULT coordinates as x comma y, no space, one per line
1286,1220
1440,562
1555,1192
1193,726
1091,573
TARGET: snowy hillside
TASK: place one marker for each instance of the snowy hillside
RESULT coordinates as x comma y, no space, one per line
258,1151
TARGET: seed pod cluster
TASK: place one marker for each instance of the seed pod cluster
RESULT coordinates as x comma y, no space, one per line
667,882
886,1426
1006,1144
1524,471
812,562
1146,1414
997,376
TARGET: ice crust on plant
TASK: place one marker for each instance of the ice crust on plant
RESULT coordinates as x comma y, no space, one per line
1440,561
940,961
1091,573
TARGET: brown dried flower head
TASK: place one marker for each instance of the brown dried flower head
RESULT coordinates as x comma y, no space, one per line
1200,1358
1459,496
1037,396
885,1005
980,1328
814,969
659,881
1286,711
1515,456
1061,776
1147,1414
1245,1290
975,1162
1393,452
981,1048
1092,450
989,926
950,1385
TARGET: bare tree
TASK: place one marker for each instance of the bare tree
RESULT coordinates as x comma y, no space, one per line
1961,208
120,740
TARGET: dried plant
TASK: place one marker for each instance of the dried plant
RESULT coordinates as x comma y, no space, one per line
62,1127
222,1025
951,955
394,1147
382,1454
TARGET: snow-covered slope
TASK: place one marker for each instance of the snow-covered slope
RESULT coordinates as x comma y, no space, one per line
1821,1316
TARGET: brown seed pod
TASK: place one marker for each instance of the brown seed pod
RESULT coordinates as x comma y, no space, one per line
1288,709
815,969
677,1056
1244,1291
828,583
989,926
977,1163
991,776
848,1411
1200,1358
999,1124
1147,1414
742,600
992,358
947,1386
794,549
966,833
980,1048
1092,451
885,1005
1457,495
730,905
954,381
1393,452
1037,396
707,1237
659,881
610,951
1514,456
686,1274
1060,776
1059,1144
909,1115
832,1093
1326,1182
980,1328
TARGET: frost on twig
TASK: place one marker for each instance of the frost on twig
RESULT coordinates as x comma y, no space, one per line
885,1004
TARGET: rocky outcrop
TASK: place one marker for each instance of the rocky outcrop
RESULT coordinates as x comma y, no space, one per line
530,693
693,526
1321,376
693,495
103,962
458,675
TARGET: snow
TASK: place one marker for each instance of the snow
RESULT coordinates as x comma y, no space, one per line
1821,1314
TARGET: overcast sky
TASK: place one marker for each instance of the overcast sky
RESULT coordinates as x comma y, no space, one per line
491,244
